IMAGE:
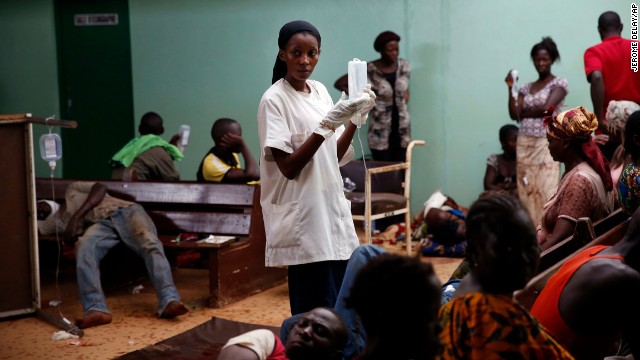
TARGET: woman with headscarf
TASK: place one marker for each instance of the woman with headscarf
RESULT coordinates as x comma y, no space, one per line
537,174
389,129
585,189
482,321
304,138
617,114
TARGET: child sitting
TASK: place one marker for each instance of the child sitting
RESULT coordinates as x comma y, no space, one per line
222,164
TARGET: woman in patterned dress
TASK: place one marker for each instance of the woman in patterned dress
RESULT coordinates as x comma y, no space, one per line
538,175
389,127
586,186
482,321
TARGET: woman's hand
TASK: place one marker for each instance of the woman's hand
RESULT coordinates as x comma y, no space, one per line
514,104
510,80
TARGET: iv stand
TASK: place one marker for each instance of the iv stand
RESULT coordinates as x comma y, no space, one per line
19,193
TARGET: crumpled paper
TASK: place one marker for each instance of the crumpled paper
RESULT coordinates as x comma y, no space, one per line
62,335
136,290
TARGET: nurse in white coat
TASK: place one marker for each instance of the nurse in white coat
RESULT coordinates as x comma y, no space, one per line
304,139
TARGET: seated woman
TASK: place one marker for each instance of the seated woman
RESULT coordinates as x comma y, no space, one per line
585,188
617,114
501,168
483,321
629,184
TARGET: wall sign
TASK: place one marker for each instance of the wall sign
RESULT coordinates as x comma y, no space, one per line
95,19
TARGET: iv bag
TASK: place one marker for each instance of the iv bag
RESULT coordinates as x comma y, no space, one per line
50,147
357,77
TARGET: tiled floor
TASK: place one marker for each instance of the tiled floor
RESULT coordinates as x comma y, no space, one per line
135,324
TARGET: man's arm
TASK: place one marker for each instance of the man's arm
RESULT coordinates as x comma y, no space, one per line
251,170
593,70
96,194
237,352
597,97
253,345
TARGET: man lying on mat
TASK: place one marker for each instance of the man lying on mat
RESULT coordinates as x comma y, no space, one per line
319,334
98,222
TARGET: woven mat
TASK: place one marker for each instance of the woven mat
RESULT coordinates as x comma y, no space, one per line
202,342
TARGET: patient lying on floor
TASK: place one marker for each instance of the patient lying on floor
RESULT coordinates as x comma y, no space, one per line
441,227
319,334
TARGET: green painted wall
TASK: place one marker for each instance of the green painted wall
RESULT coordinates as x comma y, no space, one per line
197,60
28,67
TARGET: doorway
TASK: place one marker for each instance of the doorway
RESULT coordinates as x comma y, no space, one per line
94,71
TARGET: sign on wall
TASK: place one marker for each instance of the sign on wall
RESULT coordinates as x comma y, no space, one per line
95,19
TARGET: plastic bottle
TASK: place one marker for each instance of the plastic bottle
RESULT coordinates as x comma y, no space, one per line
357,76
514,88
51,148
184,136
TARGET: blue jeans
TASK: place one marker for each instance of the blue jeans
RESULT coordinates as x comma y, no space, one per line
132,226
357,337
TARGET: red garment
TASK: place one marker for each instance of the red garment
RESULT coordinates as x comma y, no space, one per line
612,57
546,307
278,351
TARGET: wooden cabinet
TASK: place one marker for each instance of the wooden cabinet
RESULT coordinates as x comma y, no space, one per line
19,278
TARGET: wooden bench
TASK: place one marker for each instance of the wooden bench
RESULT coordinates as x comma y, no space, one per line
614,233
236,268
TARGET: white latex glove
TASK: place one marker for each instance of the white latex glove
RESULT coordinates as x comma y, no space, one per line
341,114
361,117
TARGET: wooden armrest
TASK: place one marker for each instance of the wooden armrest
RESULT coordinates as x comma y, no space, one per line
387,168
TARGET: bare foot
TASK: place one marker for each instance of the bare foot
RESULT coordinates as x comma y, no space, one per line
175,308
93,318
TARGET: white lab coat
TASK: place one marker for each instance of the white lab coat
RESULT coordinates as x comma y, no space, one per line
307,219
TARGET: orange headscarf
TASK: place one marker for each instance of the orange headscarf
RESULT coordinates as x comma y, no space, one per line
576,125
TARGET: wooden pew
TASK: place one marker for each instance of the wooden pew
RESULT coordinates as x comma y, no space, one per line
527,296
236,268
584,233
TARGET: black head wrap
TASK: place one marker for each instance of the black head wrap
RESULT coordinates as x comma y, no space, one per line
383,39
286,32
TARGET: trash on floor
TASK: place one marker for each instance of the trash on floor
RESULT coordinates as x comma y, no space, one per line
62,335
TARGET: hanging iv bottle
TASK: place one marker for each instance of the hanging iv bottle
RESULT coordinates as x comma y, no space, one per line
51,148
357,78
